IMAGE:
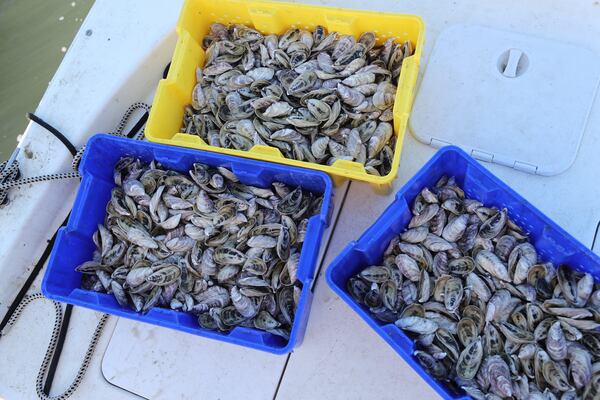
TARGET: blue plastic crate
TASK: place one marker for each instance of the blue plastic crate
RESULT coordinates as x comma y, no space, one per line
74,243
552,242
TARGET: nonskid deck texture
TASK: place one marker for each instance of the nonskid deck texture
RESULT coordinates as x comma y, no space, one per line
340,356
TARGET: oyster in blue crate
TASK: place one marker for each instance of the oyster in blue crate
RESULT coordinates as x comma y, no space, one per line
202,243
487,314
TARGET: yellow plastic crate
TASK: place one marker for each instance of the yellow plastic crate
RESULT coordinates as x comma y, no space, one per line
175,92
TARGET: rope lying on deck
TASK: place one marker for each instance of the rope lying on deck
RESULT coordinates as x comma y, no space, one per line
40,385
10,178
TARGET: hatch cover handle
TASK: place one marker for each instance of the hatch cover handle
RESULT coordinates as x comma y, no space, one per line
525,167
482,155
437,143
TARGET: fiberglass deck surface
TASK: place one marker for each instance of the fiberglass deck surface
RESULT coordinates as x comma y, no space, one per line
340,357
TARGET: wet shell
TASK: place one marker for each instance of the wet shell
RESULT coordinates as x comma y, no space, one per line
555,376
384,95
165,275
433,366
515,334
479,287
436,244
425,216
521,259
556,344
455,228
228,255
461,266
415,235
375,274
467,331
382,135
244,305
580,365
408,267
469,360
498,375
119,293
504,247
490,263
417,325
493,226
453,293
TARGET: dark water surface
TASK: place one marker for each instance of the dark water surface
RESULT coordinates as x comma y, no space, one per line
34,35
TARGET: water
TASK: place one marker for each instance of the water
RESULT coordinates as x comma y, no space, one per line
34,35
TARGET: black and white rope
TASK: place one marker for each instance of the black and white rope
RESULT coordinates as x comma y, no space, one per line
9,177
127,116
118,131
37,179
43,372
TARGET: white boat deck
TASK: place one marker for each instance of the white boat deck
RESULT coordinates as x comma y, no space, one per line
117,59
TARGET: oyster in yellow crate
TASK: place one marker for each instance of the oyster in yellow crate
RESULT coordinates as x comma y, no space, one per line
175,92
